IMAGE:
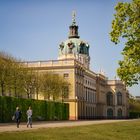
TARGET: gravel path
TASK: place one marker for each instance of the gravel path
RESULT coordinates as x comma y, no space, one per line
7,127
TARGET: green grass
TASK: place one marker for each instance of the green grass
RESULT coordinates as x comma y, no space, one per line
113,131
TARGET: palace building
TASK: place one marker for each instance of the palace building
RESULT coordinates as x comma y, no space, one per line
91,95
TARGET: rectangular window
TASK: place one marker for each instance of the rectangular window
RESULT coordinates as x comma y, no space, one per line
66,75
65,92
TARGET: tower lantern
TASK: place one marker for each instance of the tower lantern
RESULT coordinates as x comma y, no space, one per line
74,47
73,32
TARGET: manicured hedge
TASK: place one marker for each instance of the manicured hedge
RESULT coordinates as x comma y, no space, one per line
133,114
42,110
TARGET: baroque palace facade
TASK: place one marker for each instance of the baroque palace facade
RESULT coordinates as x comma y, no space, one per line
91,95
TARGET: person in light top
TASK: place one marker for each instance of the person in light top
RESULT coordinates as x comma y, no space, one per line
29,117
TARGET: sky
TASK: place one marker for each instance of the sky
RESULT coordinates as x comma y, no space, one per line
31,30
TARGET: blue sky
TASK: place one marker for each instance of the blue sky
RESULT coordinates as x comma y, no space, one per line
33,29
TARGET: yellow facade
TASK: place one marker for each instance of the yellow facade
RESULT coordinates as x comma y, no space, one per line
91,95
88,91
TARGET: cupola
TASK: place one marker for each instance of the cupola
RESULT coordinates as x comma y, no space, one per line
74,47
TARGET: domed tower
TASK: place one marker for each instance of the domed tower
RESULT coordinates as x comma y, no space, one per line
74,47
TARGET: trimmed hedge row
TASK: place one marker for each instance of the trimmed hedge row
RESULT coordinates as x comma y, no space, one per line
133,114
42,110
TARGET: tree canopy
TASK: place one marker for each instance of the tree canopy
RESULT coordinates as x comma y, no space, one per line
126,24
16,79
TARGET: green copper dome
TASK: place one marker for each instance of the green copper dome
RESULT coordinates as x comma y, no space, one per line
74,46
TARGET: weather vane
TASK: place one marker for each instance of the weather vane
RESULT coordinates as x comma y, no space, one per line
73,16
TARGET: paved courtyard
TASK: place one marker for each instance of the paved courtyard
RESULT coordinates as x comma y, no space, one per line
7,127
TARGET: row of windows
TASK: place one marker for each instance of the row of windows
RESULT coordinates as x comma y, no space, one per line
90,97
110,112
87,82
90,83
109,99
79,72
90,111
86,93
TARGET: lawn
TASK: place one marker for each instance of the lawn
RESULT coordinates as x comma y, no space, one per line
113,131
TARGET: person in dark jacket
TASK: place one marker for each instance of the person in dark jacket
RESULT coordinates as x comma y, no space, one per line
18,116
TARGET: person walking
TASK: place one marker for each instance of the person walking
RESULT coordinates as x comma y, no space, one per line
17,116
29,117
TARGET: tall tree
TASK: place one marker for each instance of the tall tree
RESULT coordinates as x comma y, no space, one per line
37,83
5,69
14,76
16,79
3,72
29,82
53,86
46,85
127,25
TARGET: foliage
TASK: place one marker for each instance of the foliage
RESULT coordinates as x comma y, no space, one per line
127,25
133,114
29,82
134,108
16,79
11,76
42,110
134,105
53,86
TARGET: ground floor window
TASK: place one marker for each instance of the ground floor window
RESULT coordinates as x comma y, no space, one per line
119,113
110,113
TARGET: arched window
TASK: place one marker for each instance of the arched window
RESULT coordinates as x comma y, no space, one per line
119,113
109,113
109,98
119,98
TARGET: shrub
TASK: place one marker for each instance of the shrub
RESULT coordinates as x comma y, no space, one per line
42,110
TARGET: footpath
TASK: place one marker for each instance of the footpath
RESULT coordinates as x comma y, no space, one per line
9,127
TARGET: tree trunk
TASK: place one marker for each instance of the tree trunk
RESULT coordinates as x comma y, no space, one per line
2,89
